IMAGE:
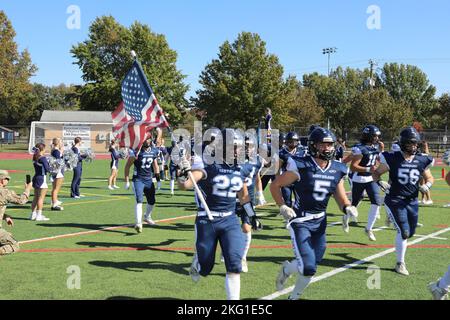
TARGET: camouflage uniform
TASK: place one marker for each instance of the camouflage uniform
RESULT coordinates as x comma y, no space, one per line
7,243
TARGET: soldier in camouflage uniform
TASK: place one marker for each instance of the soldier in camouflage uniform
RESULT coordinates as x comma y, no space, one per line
7,243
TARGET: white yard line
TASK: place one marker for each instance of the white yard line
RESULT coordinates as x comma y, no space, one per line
354,264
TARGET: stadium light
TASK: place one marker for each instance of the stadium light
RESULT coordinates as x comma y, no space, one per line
329,51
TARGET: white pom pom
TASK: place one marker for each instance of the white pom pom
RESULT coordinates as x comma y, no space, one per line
133,53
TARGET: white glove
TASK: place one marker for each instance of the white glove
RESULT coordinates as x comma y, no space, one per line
127,185
185,166
384,186
351,211
425,187
287,212
260,200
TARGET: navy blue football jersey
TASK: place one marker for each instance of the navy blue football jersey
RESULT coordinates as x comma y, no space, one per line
370,154
404,175
251,172
285,154
315,185
143,163
220,184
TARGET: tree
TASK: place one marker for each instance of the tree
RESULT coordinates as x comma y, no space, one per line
336,94
15,71
409,85
104,60
300,106
240,84
378,107
42,98
441,118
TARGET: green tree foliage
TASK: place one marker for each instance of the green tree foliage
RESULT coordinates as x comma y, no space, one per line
410,86
240,84
337,94
378,107
300,106
42,98
104,60
441,118
16,69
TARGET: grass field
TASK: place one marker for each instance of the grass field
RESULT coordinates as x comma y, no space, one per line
115,262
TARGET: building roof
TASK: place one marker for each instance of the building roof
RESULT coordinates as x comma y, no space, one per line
6,129
76,116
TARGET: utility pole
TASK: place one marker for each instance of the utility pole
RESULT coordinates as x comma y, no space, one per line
329,51
372,64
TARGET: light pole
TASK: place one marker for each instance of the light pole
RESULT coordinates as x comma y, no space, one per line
329,51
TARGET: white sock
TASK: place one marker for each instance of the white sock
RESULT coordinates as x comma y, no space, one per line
248,240
291,268
373,213
158,184
172,185
138,213
39,213
444,283
300,286
400,248
233,286
148,211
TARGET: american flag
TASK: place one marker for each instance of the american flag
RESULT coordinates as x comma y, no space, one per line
139,111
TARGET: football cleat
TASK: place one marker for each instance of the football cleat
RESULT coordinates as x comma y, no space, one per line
244,265
400,268
345,226
138,228
116,187
57,208
150,221
110,188
370,234
282,277
33,216
438,293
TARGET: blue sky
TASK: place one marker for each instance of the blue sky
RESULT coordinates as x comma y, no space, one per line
414,32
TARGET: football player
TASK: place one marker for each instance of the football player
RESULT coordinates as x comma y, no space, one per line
364,160
292,148
315,177
219,182
405,168
251,169
144,161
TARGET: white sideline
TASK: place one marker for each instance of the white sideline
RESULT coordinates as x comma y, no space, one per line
354,264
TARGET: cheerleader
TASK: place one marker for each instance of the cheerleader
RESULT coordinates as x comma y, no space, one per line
57,178
114,166
41,168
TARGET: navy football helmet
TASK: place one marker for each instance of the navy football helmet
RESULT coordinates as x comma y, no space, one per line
370,134
321,135
409,140
292,140
312,128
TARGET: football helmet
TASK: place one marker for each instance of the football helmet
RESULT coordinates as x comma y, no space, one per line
370,134
409,140
321,135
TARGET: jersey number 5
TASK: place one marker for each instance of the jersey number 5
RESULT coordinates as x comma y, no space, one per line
320,191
